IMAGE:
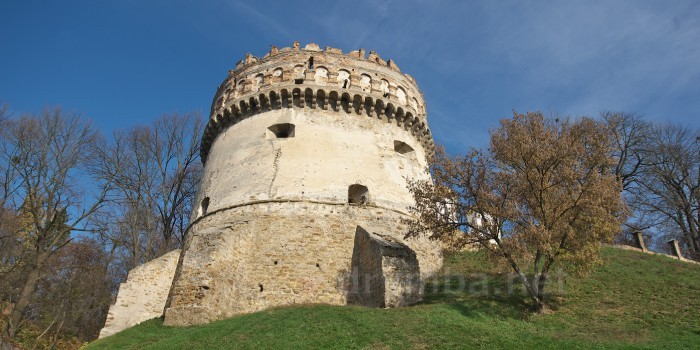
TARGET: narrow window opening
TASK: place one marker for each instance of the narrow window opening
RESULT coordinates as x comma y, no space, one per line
275,262
311,62
402,147
321,75
401,95
260,286
318,265
366,82
343,79
358,194
384,87
204,206
299,74
277,74
280,131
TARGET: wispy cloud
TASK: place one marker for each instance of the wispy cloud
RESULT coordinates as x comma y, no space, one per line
607,54
265,21
476,61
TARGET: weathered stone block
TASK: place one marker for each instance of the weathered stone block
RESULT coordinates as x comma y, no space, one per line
385,272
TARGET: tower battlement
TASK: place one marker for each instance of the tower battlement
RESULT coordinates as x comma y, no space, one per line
353,83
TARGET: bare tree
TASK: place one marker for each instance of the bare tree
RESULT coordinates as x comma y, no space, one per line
50,159
630,136
543,193
156,171
669,186
174,145
11,245
630,143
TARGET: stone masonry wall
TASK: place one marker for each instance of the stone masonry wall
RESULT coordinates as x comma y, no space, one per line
257,256
328,153
143,295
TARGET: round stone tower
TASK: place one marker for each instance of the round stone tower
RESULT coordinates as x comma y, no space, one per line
307,154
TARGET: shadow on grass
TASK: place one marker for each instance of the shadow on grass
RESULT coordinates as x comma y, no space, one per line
476,286
474,295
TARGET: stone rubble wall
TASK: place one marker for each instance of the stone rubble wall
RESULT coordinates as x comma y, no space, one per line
256,256
143,295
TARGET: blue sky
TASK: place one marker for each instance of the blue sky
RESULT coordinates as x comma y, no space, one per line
123,63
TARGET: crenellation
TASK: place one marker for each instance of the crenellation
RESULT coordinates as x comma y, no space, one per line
391,64
333,50
312,47
359,54
275,72
374,57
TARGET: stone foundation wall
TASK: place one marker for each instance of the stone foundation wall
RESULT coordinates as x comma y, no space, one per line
143,295
252,257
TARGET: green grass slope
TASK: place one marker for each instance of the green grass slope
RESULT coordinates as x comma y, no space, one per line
634,301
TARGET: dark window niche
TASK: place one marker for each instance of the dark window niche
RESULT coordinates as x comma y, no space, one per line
358,194
204,206
402,147
281,131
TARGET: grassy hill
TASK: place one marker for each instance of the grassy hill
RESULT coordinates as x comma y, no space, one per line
634,301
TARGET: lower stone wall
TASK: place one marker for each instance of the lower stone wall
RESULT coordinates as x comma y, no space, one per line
253,257
143,295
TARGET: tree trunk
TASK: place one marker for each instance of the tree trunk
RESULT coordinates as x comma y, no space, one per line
535,288
25,296
531,287
540,287
541,283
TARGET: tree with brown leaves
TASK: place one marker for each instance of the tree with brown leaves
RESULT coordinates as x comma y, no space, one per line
544,193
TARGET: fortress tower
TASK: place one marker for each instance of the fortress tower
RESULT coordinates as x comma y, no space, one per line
307,154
